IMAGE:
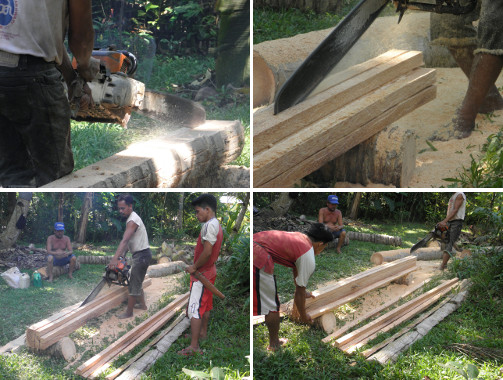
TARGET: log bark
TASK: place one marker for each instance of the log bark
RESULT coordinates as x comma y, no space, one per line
388,158
422,254
57,270
9,236
375,238
95,259
286,152
161,270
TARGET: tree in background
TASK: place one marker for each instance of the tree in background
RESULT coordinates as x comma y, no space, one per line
17,221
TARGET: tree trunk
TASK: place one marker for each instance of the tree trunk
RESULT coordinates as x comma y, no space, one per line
241,215
355,205
375,238
180,211
84,215
232,65
61,201
17,221
281,205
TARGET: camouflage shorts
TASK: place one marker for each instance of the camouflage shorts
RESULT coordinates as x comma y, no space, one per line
141,261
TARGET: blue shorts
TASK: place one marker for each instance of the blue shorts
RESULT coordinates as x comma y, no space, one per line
336,234
62,262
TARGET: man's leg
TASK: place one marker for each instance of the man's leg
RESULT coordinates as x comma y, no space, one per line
195,329
485,71
272,323
464,57
140,302
50,261
342,238
129,310
73,261
204,326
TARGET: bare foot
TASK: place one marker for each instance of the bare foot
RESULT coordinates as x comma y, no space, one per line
49,280
458,128
281,342
140,307
70,277
492,102
339,251
125,315
189,351
441,267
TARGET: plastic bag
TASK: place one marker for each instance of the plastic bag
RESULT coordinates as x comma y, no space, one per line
12,277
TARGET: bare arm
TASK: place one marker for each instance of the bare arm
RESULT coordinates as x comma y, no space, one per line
69,249
122,248
203,259
300,302
457,204
340,224
81,36
320,216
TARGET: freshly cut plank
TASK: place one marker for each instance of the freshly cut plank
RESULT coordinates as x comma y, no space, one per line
332,94
348,326
309,148
352,287
49,331
98,363
395,316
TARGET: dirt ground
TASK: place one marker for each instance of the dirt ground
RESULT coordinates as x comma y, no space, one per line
107,327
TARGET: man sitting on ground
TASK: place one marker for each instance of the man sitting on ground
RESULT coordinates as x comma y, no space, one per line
331,217
60,251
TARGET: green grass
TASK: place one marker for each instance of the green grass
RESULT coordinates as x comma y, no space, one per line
479,321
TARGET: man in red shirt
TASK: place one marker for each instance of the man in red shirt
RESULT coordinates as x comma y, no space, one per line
295,250
205,255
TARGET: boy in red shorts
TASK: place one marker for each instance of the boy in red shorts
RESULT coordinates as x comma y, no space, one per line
205,255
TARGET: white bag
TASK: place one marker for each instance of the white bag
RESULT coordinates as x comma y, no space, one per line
12,277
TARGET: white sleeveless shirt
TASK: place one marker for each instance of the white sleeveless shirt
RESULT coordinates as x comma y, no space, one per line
34,27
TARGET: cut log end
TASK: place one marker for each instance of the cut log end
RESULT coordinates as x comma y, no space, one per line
327,322
65,348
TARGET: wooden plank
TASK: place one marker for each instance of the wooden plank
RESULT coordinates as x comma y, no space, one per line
129,340
407,316
349,285
341,130
377,325
161,335
371,313
313,313
47,332
332,94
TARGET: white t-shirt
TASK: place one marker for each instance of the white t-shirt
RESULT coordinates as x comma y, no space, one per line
462,209
34,27
209,231
139,240
305,265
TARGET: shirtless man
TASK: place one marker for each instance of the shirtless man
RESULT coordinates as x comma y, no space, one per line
60,250
332,218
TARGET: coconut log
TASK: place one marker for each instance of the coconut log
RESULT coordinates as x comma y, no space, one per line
375,238
161,270
422,254
64,348
95,259
327,322
57,270
388,158
163,260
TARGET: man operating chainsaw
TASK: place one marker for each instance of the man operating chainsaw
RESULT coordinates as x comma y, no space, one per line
135,240
60,251
295,250
479,53
35,143
454,222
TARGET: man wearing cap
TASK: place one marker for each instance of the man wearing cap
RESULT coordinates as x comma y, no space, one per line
332,218
60,251
454,222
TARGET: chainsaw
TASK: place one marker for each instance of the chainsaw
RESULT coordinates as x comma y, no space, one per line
335,46
118,276
115,93
439,233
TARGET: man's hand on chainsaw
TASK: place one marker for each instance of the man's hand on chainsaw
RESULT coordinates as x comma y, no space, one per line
442,224
113,263
89,71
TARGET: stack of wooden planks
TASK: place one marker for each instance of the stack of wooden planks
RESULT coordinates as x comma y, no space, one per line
45,333
345,110
333,296
98,363
359,337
